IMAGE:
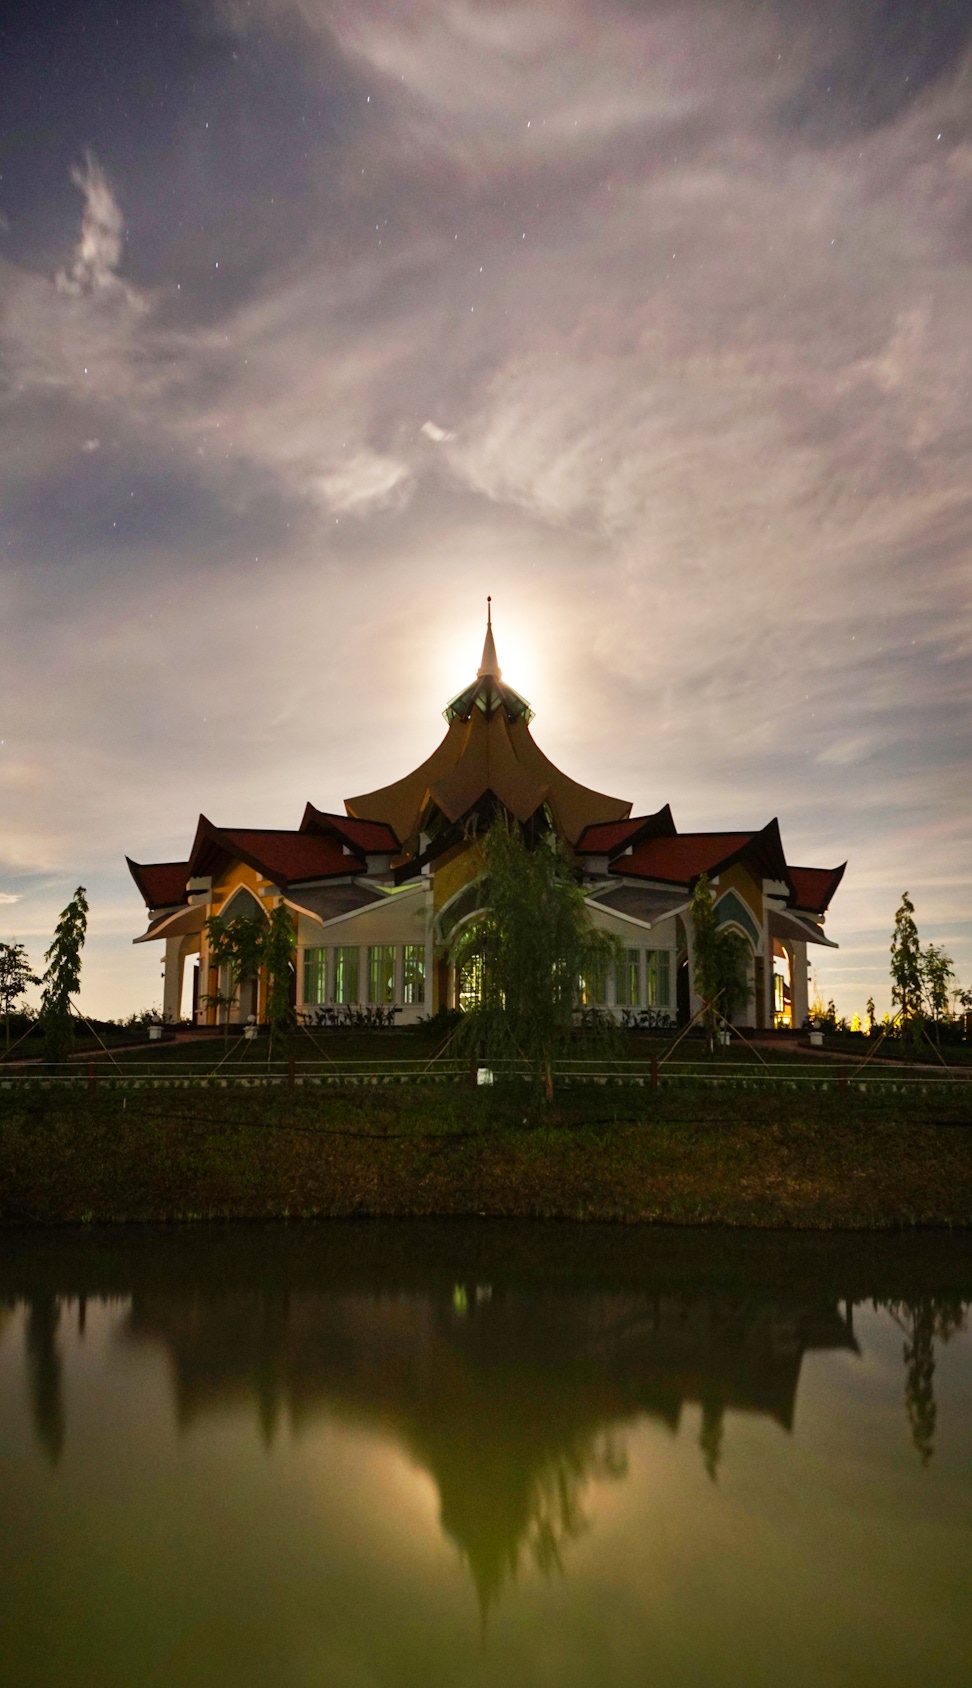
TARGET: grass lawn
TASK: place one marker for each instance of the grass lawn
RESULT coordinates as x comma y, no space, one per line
681,1156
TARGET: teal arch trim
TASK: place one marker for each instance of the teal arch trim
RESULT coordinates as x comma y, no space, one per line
732,907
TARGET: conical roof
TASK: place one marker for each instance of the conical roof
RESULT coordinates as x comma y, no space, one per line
488,749
487,692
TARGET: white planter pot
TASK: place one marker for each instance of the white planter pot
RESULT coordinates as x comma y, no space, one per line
816,1040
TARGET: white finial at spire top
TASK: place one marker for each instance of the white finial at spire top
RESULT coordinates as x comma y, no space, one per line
489,664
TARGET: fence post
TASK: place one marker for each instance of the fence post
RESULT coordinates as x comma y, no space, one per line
291,1072
474,1071
654,1072
92,1078
842,1084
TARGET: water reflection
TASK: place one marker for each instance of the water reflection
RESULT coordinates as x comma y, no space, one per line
924,1323
511,1401
512,1385
44,1373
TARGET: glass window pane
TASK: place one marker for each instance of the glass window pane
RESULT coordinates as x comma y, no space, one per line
628,979
381,973
593,986
659,978
346,974
471,984
315,975
414,979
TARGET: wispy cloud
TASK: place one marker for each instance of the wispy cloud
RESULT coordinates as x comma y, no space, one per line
97,255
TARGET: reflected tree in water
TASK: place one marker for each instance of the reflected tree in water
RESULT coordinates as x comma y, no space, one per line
924,1322
711,1436
44,1373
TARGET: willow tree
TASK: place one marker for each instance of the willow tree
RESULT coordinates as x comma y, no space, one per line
62,978
721,957
530,943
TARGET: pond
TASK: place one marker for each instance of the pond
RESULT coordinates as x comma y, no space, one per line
389,1453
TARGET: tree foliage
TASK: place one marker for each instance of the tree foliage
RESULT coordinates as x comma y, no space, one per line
279,944
15,976
248,943
721,961
906,984
530,943
937,977
236,943
62,979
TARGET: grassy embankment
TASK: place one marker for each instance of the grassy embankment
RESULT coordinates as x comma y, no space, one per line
683,1155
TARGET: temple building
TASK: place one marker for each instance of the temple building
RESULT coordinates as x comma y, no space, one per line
379,894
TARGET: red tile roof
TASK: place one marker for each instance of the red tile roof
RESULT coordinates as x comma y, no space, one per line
605,836
373,837
162,884
679,860
285,856
814,886
282,856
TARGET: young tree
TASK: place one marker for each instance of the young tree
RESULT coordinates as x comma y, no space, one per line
279,944
62,980
906,965
937,973
15,976
531,943
721,972
238,945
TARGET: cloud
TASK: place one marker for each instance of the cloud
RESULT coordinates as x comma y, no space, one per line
8,897
366,482
97,254
432,431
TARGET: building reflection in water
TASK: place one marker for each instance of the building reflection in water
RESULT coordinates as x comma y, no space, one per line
512,1399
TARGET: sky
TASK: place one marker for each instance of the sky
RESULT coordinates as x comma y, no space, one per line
319,322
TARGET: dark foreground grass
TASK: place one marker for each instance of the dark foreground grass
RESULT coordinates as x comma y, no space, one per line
684,1157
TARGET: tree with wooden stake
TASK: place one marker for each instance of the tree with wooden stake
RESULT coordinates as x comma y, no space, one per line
720,973
62,980
529,944
937,971
238,945
278,948
906,980
15,976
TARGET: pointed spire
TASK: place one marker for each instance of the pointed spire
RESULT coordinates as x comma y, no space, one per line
489,665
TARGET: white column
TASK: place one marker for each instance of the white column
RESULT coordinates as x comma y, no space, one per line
799,989
363,981
695,1001
172,983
